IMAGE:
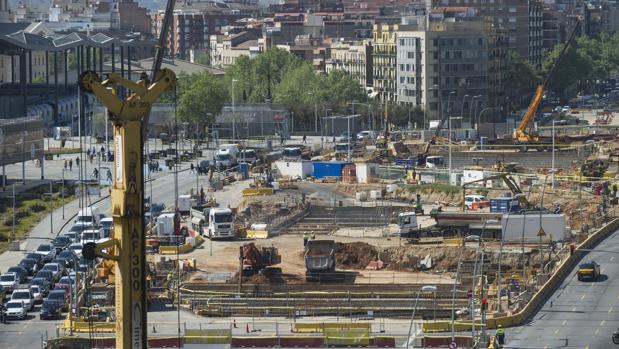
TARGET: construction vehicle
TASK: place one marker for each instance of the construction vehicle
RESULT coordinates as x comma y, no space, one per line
319,260
127,249
524,133
256,259
509,182
594,168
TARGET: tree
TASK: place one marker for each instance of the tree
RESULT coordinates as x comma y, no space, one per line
339,88
205,95
269,68
294,90
574,66
522,78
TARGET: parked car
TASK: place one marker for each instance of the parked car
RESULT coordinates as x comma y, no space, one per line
59,296
47,275
30,264
50,309
16,310
43,284
67,258
61,242
46,251
57,268
24,295
66,283
9,282
22,273
37,294
76,248
73,236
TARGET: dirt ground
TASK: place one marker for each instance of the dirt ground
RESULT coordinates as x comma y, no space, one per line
352,255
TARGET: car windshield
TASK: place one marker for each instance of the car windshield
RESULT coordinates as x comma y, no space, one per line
587,265
106,224
75,247
50,267
90,236
28,262
223,218
39,281
65,280
45,274
35,288
249,154
59,296
223,157
21,295
44,248
79,228
86,219
7,278
49,305
65,255
292,152
14,305
14,270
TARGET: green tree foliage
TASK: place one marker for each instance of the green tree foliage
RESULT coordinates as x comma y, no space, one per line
576,65
521,78
204,95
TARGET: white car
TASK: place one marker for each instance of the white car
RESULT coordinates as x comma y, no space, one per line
9,281
23,295
37,295
94,235
44,250
16,309
74,236
77,249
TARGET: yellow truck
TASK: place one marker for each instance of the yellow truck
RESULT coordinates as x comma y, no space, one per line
589,270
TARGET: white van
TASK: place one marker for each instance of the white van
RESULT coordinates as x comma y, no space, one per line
226,156
470,199
89,215
93,235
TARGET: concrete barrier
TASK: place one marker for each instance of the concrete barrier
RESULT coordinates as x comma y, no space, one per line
208,336
257,191
555,280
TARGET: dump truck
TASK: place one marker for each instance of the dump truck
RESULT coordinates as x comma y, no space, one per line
319,259
257,259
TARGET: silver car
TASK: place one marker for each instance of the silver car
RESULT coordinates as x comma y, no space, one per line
16,309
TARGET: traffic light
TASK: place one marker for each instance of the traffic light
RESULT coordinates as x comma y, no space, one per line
572,248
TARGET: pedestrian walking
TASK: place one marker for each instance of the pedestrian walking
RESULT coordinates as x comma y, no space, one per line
77,161
70,164
88,152
109,175
65,164
201,194
305,239
304,139
191,168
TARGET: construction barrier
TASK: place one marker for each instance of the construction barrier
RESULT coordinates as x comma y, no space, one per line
444,341
184,248
339,338
257,191
301,342
253,342
208,336
257,234
107,342
81,326
317,327
382,342
445,326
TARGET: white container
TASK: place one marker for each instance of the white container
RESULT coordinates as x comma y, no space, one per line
362,196
258,226
191,240
553,224
275,185
376,194
391,188
294,169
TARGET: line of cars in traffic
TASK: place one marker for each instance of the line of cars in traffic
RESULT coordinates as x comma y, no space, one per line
51,273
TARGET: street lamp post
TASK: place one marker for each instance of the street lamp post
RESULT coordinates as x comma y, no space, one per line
233,111
498,278
13,197
481,273
553,153
449,116
462,106
430,288
63,193
51,208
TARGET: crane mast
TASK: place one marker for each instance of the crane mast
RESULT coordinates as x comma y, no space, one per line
127,247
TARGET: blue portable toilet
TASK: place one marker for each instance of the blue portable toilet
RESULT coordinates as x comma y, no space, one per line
324,169
244,170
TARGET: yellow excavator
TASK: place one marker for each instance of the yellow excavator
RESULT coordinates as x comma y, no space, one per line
524,133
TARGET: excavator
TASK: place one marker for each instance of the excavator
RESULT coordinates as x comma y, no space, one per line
524,134
127,250
509,182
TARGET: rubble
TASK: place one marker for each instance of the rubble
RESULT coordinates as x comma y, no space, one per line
354,255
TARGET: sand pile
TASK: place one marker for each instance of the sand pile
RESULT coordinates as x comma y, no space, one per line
354,255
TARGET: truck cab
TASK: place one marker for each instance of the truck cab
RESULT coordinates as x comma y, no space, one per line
226,156
292,153
407,223
588,270
220,223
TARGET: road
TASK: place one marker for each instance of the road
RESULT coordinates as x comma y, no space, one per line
27,334
579,314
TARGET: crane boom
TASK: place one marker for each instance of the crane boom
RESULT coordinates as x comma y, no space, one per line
521,134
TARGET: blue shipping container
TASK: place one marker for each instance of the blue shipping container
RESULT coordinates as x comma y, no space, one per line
329,169
507,204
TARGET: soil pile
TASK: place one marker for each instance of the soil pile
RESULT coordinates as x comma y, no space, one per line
406,258
354,255
267,276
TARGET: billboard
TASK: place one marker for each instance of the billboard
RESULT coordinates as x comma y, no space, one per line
21,140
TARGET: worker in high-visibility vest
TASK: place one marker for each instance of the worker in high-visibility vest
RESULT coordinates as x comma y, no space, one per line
500,335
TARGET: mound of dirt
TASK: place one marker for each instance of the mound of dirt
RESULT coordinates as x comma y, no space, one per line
268,276
354,255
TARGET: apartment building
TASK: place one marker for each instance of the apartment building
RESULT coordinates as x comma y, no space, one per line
441,67
384,61
521,20
354,58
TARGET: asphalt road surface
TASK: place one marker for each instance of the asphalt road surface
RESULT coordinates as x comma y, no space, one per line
580,314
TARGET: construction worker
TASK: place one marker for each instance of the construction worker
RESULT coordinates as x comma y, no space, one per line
500,335
305,238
